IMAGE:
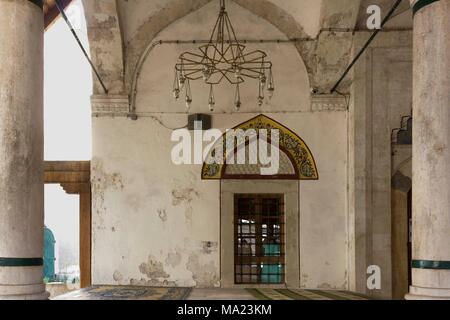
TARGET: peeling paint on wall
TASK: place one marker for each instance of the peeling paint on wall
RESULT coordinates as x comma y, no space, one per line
210,247
152,283
184,195
153,269
205,275
117,276
105,41
188,213
327,286
162,214
174,258
102,182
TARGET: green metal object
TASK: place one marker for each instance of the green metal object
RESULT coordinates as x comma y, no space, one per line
49,254
21,262
434,265
272,273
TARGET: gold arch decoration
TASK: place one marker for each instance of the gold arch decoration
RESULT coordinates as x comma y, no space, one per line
290,143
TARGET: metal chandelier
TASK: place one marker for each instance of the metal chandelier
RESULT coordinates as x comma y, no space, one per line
223,58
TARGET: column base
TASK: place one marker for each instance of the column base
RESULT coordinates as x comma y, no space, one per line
418,293
42,296
24,292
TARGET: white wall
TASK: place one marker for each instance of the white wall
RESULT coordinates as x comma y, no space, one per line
155,83
144,206
155,223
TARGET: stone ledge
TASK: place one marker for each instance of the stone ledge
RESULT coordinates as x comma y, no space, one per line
328,102
109,105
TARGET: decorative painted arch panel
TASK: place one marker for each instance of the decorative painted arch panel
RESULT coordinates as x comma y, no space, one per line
290,143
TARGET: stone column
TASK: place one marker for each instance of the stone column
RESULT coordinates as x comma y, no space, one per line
431,151
21,150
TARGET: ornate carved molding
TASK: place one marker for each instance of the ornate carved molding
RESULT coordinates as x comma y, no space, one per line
328,102
294,147
110,105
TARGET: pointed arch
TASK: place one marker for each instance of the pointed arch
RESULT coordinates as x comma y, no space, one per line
290,144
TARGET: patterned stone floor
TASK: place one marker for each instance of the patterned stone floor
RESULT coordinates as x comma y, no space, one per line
147,293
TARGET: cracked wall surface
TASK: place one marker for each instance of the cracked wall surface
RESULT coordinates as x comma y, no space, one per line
154,93
120,31
167,220
143,22
105,41
161,219
172,216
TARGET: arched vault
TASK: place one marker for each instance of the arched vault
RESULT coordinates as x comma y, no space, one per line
177,9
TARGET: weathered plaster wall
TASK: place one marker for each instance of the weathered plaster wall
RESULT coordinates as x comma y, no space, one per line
130,156
326,25
163,221
323,203
381,95
291,79
134,13
105,41
153,223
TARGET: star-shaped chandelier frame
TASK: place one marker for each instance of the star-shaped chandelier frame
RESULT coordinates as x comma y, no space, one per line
223,58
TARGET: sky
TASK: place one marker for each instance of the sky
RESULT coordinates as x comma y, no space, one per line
67,91
67,124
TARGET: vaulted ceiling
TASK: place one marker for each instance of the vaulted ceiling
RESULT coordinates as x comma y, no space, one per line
312,13
122,30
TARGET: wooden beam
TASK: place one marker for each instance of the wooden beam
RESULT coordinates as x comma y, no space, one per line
74,166
76,188
67,172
